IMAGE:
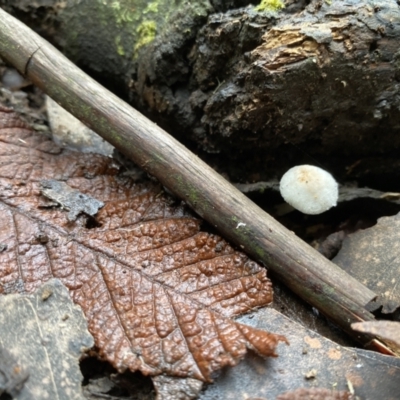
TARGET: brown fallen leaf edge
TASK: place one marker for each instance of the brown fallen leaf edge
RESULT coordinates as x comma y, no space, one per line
158,293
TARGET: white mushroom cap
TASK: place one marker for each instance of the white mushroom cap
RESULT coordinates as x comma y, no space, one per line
309,189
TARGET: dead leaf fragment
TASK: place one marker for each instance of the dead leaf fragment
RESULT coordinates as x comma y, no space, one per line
157,292
47,334
388,330
174,388
12,375
68,131
373,375
372,256
70,199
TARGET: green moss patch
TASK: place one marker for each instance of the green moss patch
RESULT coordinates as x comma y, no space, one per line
270,5
147,32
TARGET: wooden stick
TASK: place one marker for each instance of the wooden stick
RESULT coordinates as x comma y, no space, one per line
304,270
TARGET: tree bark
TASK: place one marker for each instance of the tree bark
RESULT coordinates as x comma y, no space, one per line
255,93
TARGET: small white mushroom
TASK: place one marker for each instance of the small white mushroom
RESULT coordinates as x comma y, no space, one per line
309,189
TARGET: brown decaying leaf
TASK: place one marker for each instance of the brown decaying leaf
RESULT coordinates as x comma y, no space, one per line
158,293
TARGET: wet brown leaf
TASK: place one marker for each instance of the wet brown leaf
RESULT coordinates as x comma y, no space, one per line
158,293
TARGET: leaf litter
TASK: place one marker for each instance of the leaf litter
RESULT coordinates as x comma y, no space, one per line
72,200
388,330
372,256
51,335
362,373
158,293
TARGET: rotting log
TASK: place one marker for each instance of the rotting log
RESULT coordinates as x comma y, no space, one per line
262,90
304,270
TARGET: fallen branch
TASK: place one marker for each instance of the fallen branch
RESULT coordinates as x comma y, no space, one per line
310,275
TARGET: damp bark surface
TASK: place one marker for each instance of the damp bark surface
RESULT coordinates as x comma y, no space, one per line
253,93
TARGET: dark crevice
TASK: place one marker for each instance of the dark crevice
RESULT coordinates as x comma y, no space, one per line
91,223
100,378
373,46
